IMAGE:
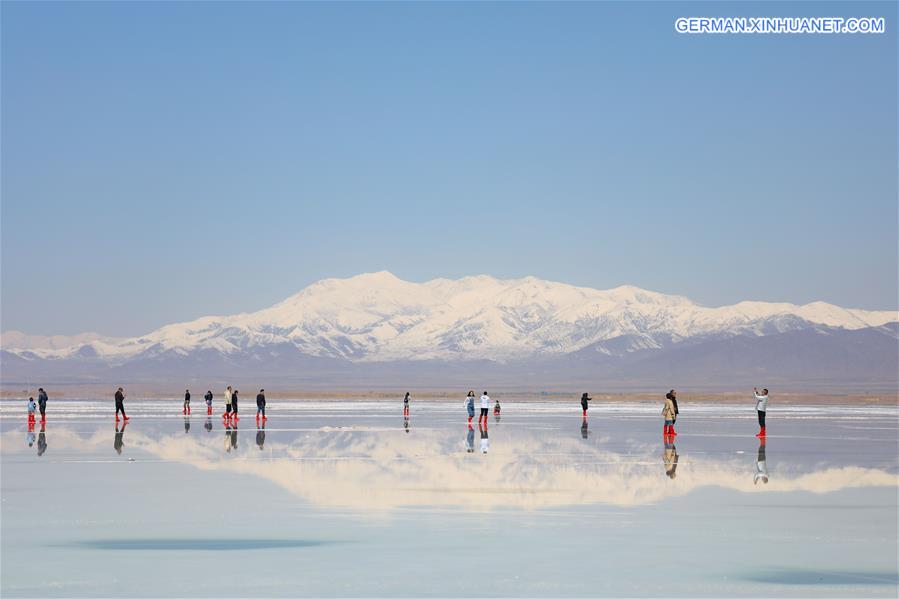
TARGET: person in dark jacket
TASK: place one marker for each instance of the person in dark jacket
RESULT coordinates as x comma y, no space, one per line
120,405
584,399
406,404
260,405
186,409
234,404
208,398
42,403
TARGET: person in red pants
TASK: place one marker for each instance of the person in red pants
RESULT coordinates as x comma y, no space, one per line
120,404
761,406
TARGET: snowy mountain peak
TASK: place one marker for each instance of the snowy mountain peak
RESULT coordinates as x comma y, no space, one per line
380,317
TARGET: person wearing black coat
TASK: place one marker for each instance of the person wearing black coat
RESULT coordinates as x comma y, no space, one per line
260,405
120,404
584,400
42,403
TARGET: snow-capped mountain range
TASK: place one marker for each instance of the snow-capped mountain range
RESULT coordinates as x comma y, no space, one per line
378,317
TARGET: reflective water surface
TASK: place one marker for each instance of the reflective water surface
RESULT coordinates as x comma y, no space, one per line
353,498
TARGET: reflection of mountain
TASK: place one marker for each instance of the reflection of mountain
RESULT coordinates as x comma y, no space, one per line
362,470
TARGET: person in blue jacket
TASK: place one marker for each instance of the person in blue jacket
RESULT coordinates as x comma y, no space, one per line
469,405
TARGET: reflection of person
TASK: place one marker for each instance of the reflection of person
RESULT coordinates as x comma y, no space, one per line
119,442
469,439
761,465
186,425
469,405
228,435
584,399
234,435
668,416
208,425
260,435
120,404
585,430
186,408
42,439
485,441
761,406
29,437
406,423
485,409
670,457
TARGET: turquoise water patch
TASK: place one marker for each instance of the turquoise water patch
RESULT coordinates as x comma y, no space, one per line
808,577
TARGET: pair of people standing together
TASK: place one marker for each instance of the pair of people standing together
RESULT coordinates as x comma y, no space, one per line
230,403
485,407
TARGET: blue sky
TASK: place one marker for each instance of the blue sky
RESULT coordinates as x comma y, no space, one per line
163,161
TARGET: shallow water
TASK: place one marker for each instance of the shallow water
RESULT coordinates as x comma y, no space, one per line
345,498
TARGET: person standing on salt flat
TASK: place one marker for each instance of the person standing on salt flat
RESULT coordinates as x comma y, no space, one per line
42,403
186,409
469,406
406,404
761,406
485,408
260,405
208,398
668,416
32,407
120,404
584,399
234,404
227,413
673,396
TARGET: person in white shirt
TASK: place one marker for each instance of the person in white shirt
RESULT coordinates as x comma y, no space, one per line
227,413
761,406
485,408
